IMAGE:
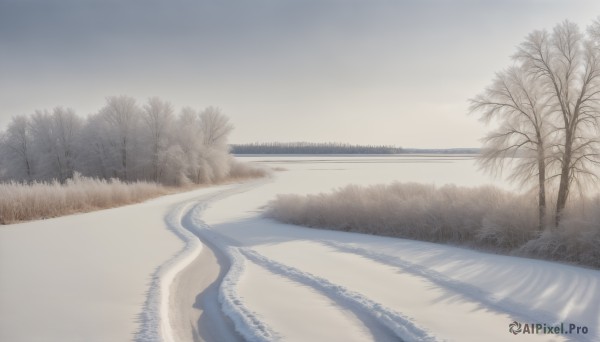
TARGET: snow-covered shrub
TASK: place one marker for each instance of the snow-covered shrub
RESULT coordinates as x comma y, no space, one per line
511,225
419,211
577,238
482,216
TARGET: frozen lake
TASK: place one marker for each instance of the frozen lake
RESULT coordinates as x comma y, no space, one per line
323,172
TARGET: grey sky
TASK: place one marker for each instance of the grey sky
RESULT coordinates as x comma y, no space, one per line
360,71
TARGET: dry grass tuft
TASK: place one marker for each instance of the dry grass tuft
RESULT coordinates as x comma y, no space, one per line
485,217
41,200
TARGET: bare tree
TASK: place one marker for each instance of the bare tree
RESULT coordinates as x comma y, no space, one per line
119,141
67,128
158,117
215,127
122,115
53,142
95,150
548,106
594,33
15,150
188,134
519,104
567,65
43,146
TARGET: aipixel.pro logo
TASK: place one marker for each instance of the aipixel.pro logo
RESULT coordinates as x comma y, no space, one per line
516,328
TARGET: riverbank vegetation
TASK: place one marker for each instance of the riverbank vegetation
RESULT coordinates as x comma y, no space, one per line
55,162
481,217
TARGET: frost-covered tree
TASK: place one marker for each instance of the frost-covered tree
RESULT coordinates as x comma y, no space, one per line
122,115
562,71
522,138
158,119
566,64
215,127
67,127
120,141
53,142
16,153
44,144
188,137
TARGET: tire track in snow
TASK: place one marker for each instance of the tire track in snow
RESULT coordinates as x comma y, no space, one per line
505,305
154,318
398,324
246,322
249,324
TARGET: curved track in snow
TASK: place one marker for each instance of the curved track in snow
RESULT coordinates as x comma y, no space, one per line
220,311
218,308
199,294
372,313
517,310
249,325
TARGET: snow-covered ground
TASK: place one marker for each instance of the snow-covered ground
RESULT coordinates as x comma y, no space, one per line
89,277
86,277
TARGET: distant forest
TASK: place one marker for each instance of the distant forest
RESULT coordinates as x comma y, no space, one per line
312,148
336,148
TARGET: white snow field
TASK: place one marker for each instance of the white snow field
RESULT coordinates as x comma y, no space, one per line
87,277
141,273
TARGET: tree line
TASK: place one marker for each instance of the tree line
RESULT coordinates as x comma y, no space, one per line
122,140
312,148
547,111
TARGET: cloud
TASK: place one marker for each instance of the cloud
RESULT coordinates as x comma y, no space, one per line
257,58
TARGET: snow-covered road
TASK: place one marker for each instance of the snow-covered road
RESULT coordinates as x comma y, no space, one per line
141,272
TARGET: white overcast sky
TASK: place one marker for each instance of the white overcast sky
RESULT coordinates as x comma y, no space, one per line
359,71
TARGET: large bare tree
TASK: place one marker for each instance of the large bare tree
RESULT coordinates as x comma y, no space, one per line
566,63
521,139
561,72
